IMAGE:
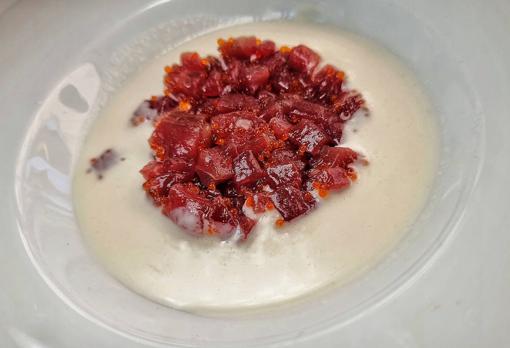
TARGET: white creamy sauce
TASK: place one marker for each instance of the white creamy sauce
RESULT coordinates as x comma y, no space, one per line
347,233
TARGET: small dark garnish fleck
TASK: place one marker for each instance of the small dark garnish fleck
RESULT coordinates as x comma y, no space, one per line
103,162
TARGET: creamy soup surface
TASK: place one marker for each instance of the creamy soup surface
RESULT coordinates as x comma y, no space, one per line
347,233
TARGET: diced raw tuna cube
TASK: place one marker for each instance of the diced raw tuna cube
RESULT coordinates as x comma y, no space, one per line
183,81
192,61
327,179
198,215
284,174
309,137
330,122
328,83
283,155
281,128
213,86
347,104
161,175
335,157
247,169
303,59
180,135
187,208
222,220
299,109
255,77
260,144
246,225
265,49
258,141
158,168
238,126
231,103
242,47
291,202
214,166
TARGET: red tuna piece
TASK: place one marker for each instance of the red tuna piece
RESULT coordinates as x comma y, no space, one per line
281,128
246,225
291,202
328,83
213,86
184,81
327,179
284,174
224,221
265,49
197,215
161,175
238,126
303,59
335,157
242,47
309,137
230,103
261,143
179,134
192,61
255,77
213,166
347,104
158,186
187,208
301,109
284,155
247,169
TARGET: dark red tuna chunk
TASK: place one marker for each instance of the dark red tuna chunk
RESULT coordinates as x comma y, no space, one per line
281,128
327,83
303,59
161,175
247,169
327,179
347,104
284,174
193,61
213,86
239,126
214,166
180,135
284,155
242,48
291,202
255,77
336,157
231,103
189,209
309,137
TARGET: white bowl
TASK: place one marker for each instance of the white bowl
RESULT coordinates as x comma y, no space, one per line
90,64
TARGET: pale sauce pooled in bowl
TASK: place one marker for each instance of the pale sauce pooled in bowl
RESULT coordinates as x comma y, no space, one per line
349,232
